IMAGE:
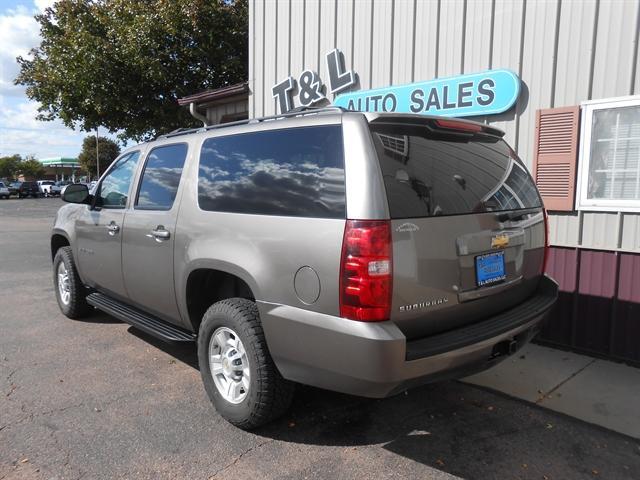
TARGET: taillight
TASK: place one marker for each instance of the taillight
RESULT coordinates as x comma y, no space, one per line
545,258
366,271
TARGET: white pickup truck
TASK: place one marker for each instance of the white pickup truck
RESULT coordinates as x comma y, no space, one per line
48,188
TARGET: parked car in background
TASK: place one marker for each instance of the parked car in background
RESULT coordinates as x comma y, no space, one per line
362,253
4,191
56,189
29,189
13,188
45,187
62,184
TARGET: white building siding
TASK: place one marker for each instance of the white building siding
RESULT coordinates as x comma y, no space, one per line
564,51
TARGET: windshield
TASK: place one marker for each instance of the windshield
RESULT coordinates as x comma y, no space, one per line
429,174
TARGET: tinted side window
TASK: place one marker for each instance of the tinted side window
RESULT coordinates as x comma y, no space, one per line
291,172
161,177
428,174
114,189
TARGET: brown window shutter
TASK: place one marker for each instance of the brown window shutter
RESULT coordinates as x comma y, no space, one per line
556,156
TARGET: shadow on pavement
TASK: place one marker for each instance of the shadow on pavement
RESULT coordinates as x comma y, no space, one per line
97,317
461,430
452,427
183,352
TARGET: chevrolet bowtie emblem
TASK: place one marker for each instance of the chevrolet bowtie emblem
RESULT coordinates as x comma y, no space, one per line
500,241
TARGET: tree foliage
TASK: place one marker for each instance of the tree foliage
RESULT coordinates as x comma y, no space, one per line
31,168
123,64
9,166
108,150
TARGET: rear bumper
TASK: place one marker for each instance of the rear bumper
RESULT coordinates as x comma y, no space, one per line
375,359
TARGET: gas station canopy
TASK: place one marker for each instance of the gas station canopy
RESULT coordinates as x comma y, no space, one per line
62,162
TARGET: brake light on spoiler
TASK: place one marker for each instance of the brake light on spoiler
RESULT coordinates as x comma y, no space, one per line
458,125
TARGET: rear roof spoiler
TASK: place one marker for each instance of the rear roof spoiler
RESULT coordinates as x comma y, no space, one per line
434,122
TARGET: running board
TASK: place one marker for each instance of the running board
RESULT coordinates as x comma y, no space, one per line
139,319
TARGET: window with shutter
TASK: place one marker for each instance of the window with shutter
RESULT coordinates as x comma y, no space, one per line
555,156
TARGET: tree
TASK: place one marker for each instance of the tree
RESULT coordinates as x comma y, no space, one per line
108,150
31,168
9,166
123,64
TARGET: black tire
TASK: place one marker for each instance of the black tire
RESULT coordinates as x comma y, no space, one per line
77,307
269,394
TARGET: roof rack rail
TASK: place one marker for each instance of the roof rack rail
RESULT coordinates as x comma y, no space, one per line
298,111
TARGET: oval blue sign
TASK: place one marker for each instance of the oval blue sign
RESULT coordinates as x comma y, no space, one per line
485,93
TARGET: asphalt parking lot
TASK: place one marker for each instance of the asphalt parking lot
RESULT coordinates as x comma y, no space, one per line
98,399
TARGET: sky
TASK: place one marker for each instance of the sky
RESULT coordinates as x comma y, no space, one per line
20,132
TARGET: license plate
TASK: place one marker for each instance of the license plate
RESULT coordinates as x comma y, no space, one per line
490,268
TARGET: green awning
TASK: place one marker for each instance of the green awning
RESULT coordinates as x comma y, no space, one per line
60,162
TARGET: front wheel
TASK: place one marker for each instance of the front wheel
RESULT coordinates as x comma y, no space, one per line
70,291
237,370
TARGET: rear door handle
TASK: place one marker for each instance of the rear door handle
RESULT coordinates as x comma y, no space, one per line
112,229
159,233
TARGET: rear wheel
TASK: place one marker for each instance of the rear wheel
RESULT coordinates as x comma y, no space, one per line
237,370
70,291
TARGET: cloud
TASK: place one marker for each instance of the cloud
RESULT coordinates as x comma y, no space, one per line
41,143
21,133
42,4
19,33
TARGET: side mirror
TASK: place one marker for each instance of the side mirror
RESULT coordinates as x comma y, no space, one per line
76,193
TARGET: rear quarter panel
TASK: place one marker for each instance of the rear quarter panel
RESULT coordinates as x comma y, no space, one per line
265,251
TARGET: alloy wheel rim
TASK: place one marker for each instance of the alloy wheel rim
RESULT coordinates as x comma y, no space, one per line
63,284
229,365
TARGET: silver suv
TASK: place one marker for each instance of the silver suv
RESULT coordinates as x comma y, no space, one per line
361,253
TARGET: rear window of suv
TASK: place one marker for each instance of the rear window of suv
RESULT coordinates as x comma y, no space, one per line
428,174
295,172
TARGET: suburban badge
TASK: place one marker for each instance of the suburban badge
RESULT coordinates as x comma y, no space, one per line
408,227
424,304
